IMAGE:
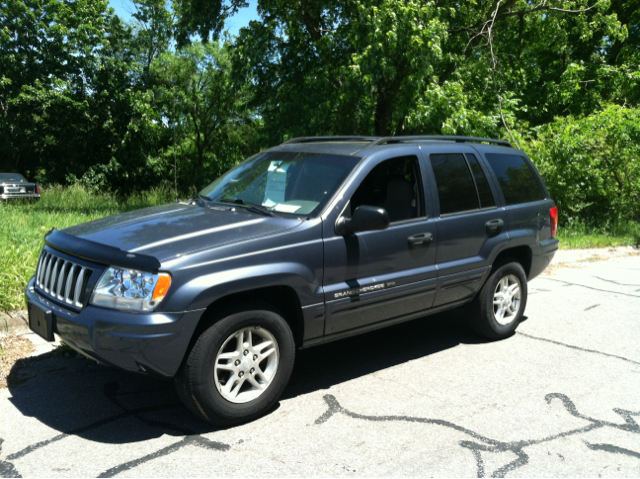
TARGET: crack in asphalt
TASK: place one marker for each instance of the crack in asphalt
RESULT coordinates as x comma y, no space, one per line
195,440
478,444
616,282
7,469
613,449
568,283
110,391
577,347
487,444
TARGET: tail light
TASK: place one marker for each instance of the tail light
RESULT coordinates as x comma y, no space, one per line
553,213
38,189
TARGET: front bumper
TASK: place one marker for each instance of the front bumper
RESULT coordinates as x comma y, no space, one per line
9,196
154,343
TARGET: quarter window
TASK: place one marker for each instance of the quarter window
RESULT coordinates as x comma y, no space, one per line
516,178
456,188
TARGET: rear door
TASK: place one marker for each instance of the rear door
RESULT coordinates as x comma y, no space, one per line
524,196
471,222
377,276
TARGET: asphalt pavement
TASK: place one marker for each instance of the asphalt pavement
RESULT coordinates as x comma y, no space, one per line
426,398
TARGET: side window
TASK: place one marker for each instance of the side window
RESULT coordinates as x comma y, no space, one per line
456,188
395,186
484,190
516,179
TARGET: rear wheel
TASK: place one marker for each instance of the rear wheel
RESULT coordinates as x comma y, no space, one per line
498,308
238,367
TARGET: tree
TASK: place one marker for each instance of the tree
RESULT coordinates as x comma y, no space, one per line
207,113
392,67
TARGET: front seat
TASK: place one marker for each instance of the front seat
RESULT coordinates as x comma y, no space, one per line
399,201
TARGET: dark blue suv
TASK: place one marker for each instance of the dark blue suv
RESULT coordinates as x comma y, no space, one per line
308,242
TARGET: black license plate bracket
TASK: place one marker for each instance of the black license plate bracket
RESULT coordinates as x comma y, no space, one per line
40,321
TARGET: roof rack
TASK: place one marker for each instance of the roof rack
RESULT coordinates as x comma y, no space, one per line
457,139
314,139
377,140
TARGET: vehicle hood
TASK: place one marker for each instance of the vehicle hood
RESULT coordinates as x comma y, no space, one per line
178,229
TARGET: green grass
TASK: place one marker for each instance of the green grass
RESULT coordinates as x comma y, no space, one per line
581,236
23,226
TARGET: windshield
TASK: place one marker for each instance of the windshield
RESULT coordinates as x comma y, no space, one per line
287,182
12,178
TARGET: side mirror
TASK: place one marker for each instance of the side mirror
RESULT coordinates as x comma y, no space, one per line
364,218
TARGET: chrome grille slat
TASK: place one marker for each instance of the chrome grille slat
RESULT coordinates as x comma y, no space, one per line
67,289
62,279
38,268
45,263
54,276
47,275
78,291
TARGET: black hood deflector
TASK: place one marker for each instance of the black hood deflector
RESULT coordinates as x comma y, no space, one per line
100,253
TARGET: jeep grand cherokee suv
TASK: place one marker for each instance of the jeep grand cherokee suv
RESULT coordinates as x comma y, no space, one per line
308,242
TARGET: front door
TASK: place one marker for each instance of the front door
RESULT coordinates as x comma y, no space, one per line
378,276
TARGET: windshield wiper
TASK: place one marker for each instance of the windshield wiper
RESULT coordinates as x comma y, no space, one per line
201,197
250,206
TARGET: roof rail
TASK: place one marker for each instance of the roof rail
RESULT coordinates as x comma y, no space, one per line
457,139
313,139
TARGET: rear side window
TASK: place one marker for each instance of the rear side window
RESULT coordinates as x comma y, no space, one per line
484,190
516,178
456,188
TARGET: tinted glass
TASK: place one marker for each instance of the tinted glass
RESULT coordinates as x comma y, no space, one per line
12,178
516,179
394,186
286,182
484,190
455,184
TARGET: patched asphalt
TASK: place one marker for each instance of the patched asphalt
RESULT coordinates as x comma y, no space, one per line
426,398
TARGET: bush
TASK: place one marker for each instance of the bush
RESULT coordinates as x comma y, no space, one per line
591,165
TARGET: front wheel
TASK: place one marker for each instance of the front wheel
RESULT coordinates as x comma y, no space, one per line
499,306
238,368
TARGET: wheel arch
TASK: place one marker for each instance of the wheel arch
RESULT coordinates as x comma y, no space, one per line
282,298
522,254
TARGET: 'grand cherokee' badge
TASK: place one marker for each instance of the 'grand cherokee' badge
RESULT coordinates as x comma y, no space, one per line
364,289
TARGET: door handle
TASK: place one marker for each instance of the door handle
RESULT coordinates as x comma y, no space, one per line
420,239
494,225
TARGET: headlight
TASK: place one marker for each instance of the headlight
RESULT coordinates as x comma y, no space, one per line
130,289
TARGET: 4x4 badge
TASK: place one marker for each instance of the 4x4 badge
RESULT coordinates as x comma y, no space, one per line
364,289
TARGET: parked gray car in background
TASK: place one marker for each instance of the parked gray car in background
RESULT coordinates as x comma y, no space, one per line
14,185
311,241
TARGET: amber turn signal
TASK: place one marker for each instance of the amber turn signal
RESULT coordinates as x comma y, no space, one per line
162,286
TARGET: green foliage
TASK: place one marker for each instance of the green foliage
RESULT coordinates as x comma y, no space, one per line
87,99
23,226
579,235
591,165
207,113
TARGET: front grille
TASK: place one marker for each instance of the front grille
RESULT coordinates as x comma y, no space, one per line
62,279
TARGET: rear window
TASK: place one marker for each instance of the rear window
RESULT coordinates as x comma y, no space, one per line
12,178
518,182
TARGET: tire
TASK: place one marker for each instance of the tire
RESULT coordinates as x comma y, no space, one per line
494,314
238,367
